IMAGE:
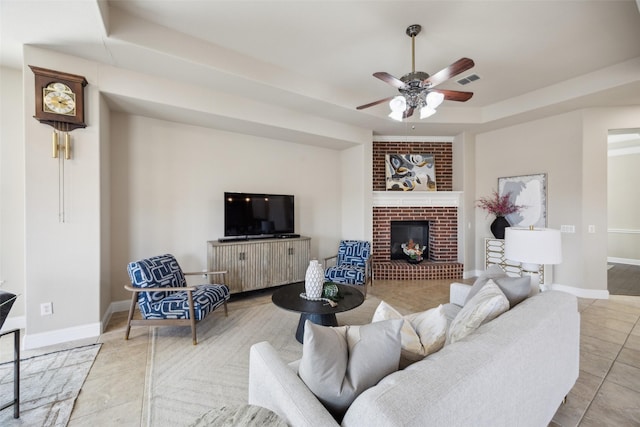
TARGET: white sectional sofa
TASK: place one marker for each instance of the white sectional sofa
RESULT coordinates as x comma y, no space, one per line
512,371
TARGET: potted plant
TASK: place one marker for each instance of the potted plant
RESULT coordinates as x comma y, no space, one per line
500,207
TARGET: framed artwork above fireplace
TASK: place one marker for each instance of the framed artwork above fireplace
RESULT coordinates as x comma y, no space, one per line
410,172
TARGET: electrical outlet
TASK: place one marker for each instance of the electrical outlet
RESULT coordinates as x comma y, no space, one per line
46,309
592,229
567,228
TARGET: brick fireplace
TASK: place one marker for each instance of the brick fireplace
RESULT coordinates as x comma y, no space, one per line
443,242
439,208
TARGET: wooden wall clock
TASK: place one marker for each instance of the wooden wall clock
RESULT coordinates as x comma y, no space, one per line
59,99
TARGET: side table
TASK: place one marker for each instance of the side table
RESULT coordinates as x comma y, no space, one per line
318,312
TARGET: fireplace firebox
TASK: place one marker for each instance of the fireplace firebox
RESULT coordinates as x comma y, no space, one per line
403,231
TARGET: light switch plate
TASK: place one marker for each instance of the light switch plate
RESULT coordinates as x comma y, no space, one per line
567,228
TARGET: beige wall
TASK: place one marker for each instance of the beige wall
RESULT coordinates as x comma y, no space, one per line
168,180
571,149
137,187
464,179
105,208
62,258
12,191
355,169
552,146
624,208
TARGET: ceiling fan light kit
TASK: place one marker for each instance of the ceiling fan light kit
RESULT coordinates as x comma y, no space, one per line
398,106
417,87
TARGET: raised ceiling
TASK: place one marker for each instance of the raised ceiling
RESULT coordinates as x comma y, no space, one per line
534,58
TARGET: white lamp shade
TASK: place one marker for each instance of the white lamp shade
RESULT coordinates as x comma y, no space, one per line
426,111
396,115
398,104
434,99
537,246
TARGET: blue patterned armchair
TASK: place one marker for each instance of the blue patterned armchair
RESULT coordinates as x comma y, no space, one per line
164,298
352,265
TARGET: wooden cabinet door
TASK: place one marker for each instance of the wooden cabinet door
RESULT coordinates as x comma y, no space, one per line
253,263
289,260
245,264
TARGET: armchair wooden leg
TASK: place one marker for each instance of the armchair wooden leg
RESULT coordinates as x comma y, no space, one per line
132,309
193,331
192,316
226,312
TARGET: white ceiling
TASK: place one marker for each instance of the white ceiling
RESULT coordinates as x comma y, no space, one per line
534,58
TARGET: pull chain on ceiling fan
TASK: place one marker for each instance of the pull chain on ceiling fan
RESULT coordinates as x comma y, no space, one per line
417,87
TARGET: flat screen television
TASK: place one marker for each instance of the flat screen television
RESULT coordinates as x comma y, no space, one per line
251,215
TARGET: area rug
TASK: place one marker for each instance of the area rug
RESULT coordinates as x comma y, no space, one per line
184,381
49,386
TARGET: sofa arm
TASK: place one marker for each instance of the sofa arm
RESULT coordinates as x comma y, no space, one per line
458,293
277,387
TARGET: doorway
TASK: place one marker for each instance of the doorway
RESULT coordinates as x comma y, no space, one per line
623,212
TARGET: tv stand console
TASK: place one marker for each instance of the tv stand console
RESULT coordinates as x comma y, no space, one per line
262,263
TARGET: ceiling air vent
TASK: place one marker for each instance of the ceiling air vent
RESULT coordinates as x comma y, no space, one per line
470,78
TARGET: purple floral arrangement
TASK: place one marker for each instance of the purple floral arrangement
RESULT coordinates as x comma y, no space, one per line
498,205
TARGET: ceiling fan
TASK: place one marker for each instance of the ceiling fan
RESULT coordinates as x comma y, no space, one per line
417,87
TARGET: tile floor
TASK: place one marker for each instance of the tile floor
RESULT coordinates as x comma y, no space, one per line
624,279
607,392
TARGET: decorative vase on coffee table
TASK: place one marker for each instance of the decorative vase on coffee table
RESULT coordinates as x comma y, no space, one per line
313,280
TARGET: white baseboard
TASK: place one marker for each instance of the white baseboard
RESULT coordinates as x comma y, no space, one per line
580,292
472,273
59,336
117,306
629,261
43,339
114,307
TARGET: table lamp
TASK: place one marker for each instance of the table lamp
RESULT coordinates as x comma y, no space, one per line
533,247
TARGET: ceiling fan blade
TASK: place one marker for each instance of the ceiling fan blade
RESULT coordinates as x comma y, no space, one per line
388,78
371,104
408,113
455,95
461,65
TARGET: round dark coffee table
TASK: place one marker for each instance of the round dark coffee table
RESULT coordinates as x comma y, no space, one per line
318,312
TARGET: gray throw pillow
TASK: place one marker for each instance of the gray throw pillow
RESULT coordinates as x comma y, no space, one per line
493,272
516,289
485,306
339,363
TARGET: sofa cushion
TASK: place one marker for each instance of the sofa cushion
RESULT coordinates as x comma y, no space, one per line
516,289
451,311
339,363
493,272
483,307
422,333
